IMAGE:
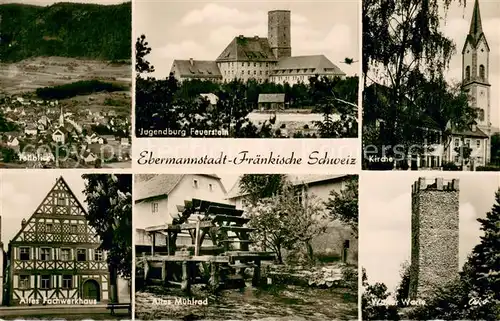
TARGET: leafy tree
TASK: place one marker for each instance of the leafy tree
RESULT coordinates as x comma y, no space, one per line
374,301
142,49
259,186
9,155
343,205
403,290
109,199
283,222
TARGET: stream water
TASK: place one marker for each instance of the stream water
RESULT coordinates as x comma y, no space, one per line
274,303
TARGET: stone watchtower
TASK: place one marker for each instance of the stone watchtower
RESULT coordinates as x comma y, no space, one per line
279,34
434,235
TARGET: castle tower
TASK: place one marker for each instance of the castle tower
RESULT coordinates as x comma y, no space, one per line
434,235
475,73
279,33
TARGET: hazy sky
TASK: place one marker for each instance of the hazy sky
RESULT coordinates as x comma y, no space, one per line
456,26
385,219
202,29
22,192
49,2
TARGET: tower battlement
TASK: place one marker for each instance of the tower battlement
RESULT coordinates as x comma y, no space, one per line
434,234
436,184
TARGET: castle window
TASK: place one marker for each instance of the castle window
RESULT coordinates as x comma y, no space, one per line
154,207
24,253
65,255
81,255
457,142
457,158
478,143
24,281
482,72
45,282
248,72
67,281
255,72
195,183
467,73
242,64
467,142
45,254
210,187
267,64
260,72
255,64
98,255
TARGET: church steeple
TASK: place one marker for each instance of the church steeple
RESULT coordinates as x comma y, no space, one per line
476,27
61,118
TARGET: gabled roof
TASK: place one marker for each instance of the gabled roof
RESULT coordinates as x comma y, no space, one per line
247,49
271,98
317,62
196,68
59,185
295,180
158,186
478,133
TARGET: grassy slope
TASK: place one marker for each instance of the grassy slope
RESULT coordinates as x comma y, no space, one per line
66,30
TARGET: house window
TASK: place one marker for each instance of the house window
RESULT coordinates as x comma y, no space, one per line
154,207
478,143
467,73
467,142
195,183
482,72
255,64
24,253
45,254
65,255
49,228
98,255
242,64
45,282
457,158
210,187
61,201
67,282
24,281
81,255
74,228
457,142
248,72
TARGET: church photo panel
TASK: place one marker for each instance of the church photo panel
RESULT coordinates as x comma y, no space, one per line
247,70
436,105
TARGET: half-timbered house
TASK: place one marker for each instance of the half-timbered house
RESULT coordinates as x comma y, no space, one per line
54,258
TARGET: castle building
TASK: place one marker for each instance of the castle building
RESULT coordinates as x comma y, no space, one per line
55,254
259,58
475,81
434,235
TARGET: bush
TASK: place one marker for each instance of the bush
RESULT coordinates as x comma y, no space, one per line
450,166
488,168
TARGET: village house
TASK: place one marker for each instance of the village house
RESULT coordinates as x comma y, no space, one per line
338,240
271,101
157,198
195,69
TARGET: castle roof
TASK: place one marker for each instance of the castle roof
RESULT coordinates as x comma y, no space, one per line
319,63
196,68
247,49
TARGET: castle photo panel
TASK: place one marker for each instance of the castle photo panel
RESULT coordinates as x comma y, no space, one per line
247,69
250,246
436,104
